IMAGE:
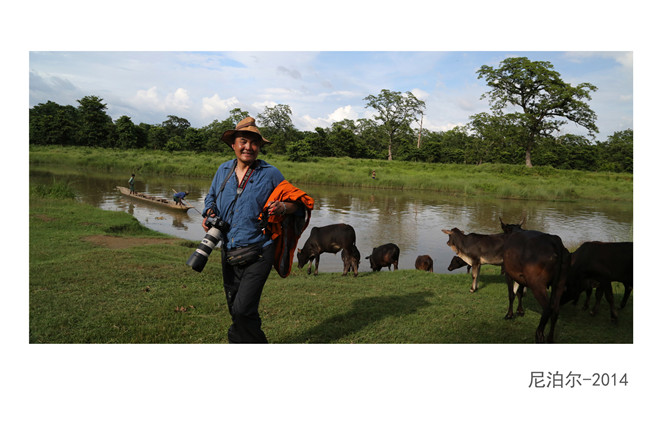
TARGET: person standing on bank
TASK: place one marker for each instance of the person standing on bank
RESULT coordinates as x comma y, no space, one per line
238,195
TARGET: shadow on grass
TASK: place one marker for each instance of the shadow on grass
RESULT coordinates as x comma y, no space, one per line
362,313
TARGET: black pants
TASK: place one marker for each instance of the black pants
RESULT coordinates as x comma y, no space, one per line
243,288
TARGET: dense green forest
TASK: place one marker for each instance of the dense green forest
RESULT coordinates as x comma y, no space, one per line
497,137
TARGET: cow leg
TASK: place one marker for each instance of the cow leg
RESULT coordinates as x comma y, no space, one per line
555,301
316,268
554,315
347,265
626,294
475,276
309,269
599,296
586,301
541,295
509,284
396,265
519,293
614,316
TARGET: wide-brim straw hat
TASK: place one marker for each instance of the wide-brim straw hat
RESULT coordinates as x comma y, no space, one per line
248,124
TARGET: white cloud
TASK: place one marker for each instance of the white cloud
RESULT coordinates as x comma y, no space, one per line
420,94
625,59
308,123
179,101
262,105
341,113
146,98
214,106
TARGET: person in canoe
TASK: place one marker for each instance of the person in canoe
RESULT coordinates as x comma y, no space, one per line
178,197
131,184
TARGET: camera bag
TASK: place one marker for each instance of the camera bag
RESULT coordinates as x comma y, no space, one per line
244,255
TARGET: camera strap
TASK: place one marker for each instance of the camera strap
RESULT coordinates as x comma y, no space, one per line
241,185
246,177
229,174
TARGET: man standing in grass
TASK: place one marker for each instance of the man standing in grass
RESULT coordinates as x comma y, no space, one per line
239,195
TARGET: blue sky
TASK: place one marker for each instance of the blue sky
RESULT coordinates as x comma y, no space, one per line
321,87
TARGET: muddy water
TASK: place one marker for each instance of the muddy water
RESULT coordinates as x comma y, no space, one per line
411,219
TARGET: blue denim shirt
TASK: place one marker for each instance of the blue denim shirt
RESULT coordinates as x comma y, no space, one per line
244,213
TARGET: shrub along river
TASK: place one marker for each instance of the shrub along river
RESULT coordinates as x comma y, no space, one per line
413,220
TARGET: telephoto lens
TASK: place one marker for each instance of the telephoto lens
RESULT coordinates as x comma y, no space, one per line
200,256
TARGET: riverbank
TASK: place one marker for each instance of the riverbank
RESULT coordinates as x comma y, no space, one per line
100,277
487,180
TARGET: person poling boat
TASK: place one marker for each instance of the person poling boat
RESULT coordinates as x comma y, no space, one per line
178,197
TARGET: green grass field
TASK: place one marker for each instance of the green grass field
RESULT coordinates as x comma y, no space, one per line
100,277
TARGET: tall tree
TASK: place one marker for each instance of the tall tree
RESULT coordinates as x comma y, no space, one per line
277,125
396,111
95,124
617,152
175,126
547,102
51,123
236,115
127,133
342,139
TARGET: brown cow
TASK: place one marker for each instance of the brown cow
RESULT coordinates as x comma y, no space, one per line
384,255
476,249
352,259
536,260
599,264
331,238
424,262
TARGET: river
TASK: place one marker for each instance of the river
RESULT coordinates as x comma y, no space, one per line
413,220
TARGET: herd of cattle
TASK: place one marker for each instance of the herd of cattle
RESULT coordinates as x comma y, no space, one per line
529,259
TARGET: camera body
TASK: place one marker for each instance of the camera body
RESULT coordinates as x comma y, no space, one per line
217,230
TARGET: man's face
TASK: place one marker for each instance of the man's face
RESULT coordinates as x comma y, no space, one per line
247,147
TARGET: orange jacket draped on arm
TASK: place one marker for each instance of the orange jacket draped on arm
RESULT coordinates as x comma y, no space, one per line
285,230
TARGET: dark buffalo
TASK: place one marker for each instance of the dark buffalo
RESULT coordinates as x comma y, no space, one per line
457,263
536,260
424,262
351,259
511,227
384,255
598,264
331,238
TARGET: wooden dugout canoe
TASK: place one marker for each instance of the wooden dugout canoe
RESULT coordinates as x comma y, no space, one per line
160,201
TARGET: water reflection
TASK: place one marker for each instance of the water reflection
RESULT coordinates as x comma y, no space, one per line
412,219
